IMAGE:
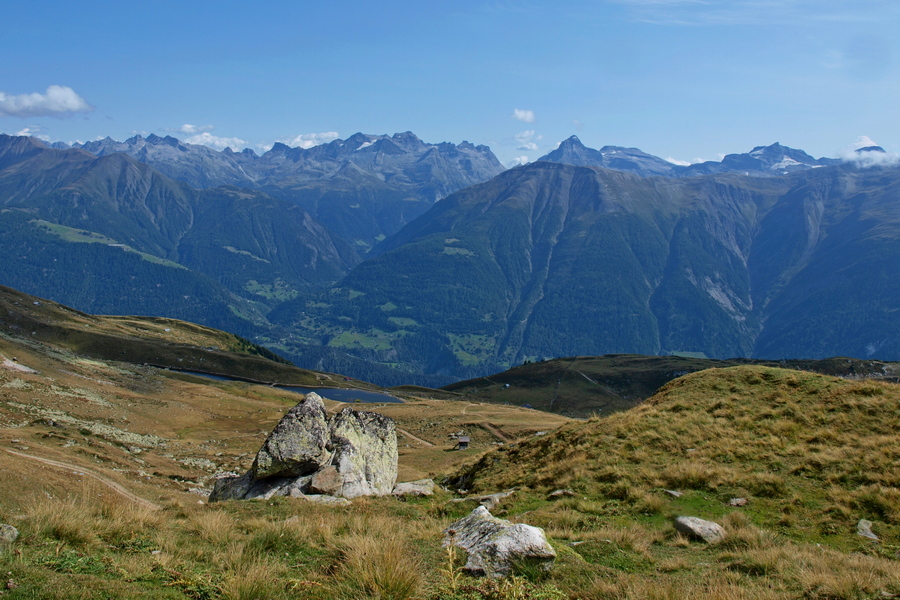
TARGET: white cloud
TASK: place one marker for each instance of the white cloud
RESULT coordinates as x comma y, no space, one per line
214,141
675,161
526,116
58,101
871,158
519,160
33,131
308,140
527,139
188,129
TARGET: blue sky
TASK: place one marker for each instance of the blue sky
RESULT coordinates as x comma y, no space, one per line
686,79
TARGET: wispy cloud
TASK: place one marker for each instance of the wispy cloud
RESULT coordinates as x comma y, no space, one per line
519,160
526,116
214,141
308,140
527,140
34,131
857,154
188,129
59,101
675,161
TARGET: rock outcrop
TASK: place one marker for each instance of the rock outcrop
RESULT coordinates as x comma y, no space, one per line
350,454
496,546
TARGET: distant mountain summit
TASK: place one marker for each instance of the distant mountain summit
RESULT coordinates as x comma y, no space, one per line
363,188
618,158
762,161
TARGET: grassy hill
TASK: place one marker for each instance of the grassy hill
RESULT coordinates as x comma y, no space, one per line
583,386
106,465
812,454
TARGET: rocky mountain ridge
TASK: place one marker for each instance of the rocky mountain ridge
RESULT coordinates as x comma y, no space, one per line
362,188
555,260
762,161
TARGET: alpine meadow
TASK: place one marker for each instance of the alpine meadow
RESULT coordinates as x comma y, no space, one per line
600,302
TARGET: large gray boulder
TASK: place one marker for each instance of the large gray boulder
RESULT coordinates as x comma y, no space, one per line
299,443
496,546
365,453
351,454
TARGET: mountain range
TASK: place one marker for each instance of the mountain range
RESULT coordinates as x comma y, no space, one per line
551,260
762,161
399,261
362,188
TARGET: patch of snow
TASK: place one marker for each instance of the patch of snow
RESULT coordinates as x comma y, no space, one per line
787,162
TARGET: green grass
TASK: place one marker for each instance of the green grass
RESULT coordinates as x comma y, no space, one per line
82,236
278,290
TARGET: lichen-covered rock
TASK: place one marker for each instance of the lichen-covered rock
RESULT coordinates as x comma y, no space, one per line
8,534
422,487
299,443
231,487
326,481
708,531
365,452
326,499
351,454
247,487
496,546
864,528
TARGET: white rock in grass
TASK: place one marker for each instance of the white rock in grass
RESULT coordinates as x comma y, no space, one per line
422,487
708,531
496,546
864,528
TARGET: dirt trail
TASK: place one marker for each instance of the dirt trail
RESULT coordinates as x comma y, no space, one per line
495,432
411,436
107,482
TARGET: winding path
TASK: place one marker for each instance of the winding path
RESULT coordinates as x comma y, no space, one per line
105,481
411,436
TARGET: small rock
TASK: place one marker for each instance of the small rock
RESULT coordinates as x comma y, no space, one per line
422,487
324,499
738,502
8,534
491,501
864,528
560,494
707,531
326,481
674,493
495,545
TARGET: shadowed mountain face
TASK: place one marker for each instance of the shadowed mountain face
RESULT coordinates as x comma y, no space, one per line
762,161
555,260
113,235
362,188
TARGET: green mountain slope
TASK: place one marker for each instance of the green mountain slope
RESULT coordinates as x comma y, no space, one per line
553,260
222,257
